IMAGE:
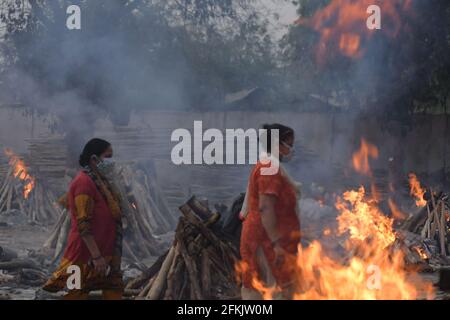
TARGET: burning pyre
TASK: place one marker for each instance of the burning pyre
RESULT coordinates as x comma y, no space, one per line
373,267
21,191
20,172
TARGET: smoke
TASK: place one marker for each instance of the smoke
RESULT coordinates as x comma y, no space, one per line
124,58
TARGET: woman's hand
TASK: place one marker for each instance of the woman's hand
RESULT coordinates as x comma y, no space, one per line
100,265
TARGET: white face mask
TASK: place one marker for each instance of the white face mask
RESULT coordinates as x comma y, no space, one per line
106,166
288,157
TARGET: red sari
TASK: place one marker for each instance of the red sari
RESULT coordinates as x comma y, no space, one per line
253,232
90,214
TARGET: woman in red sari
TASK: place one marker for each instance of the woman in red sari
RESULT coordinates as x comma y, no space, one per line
271,228
95,240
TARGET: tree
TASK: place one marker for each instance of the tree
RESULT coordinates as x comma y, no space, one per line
393,74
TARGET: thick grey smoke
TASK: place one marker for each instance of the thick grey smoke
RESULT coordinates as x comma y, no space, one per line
125,57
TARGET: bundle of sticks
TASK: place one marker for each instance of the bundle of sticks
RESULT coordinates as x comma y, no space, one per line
14,269
436,224
432,222
29,196
200,264
48,156
145,196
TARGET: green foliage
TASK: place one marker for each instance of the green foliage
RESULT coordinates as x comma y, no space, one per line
133,52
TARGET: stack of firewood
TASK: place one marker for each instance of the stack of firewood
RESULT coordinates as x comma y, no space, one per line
145,196
29,195
436,224
199,265
26,271
47,155
432,222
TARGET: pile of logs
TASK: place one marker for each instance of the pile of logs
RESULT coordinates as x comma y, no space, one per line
29,196
56,242
436,224
25,271
199,265
146,197
47,155
144,218
432,222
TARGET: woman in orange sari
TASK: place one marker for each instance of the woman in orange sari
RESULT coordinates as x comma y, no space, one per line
94,243
271,228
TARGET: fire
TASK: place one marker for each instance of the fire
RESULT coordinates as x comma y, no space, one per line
350,44
396,212
372,268
363,219
361,157
342,25
416,190
422,254
373,271
21,172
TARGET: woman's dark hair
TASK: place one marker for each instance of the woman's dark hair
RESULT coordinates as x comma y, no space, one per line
93,147
284,133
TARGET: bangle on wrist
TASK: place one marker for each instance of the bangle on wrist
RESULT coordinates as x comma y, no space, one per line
95,259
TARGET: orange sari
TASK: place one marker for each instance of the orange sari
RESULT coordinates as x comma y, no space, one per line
254,235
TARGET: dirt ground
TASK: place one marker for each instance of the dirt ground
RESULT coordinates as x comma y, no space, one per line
23,237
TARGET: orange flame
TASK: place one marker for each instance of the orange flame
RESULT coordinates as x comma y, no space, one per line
342,25
396,212
373,268
21,172
361,157
416,190
363,220
422,254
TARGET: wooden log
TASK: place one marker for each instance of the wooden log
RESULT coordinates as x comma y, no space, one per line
171,275
206,274
148,274
50,243
9,199
7,254
443,229
191,268
4,195
436,221
18,264
7,181
160,281
19,201
144,292
184,288
192,218
62,237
